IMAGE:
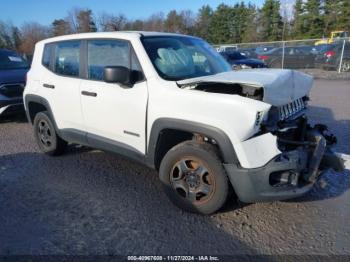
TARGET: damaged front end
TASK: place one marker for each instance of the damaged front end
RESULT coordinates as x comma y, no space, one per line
293,131
287,154
306,152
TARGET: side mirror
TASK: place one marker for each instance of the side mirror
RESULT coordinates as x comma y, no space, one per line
117,74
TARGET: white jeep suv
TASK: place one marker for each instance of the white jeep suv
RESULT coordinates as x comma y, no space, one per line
172,102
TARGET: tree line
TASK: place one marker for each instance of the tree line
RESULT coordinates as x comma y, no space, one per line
236,23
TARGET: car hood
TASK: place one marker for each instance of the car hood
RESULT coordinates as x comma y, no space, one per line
280,86
12,76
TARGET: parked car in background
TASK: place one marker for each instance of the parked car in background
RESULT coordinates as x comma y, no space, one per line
13,70
330,58
263,49
248,52
227,48
239,61
319,48
306,48
294,58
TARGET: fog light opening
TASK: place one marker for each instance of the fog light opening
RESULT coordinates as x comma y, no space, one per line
284,178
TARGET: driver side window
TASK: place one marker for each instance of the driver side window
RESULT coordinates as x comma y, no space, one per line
102,53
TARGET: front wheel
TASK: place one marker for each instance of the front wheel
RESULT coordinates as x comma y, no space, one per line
345,66
193,177
46,137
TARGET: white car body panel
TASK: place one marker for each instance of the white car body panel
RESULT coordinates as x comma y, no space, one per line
64,99
116,113
135,110
281,86
254,153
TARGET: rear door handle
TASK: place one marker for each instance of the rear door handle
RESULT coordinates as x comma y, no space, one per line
86,93
49,86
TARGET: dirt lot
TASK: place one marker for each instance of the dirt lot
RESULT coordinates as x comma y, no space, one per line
90,202
327,74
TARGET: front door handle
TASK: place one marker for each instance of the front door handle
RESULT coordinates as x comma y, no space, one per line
86,93
49,86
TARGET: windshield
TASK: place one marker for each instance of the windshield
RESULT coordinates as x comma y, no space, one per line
179,57
10,60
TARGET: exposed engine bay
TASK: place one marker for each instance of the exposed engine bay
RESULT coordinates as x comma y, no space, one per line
305,149
252,92
297,135
274,86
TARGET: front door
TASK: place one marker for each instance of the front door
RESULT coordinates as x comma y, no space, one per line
113,113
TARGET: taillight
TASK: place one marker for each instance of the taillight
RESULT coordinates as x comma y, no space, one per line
329,53
263,57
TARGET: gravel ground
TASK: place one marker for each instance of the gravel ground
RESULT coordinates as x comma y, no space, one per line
91,202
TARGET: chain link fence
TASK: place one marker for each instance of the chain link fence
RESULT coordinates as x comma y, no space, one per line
312,54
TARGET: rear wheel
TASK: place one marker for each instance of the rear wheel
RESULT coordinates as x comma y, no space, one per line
194,178
345,65
46,137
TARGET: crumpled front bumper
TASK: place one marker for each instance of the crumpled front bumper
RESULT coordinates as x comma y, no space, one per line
288,175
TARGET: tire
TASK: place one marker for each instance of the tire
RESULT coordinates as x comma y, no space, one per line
345,66
193,177
46,137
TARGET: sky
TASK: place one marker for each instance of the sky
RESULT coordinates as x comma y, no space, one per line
45,11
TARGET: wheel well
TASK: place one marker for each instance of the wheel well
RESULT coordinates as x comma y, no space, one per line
168,138
34,108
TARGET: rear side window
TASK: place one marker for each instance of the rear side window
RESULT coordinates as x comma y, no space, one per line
47,56
102,53
67,58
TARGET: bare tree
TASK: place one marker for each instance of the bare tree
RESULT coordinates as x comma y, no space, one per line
172,22
110,22
136,25
155,22
32,33
72,19
188,20
6,40
81,20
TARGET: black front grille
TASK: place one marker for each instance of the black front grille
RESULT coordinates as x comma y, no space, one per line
291,109
12,90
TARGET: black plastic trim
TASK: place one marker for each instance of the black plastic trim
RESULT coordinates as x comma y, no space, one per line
109,145
40,100
252,185
227,151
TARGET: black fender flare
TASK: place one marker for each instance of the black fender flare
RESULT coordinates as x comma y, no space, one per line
70,135
226,148
40,100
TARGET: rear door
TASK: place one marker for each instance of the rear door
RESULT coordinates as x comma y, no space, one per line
60,83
